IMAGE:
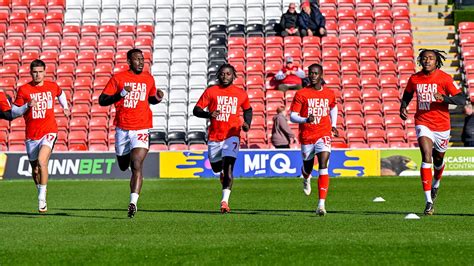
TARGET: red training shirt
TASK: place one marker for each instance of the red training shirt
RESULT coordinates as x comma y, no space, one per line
132,111
4,103
319,103
39,119
429,112
228,101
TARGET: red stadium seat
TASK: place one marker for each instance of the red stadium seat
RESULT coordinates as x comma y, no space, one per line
371,95
72,31
67,57
35,30
178,147
351,95
53,30
390,95
164,147
55,17
69,43
107,31
347,28
330,42
354,122
404,41
350,81
466,27
396,135
391,107
388,81
367,41
386,54
369,81
255,82
37,16
349,54
393,121
312,54
274,42
78,147
346,14
86,57
387,67
353,108
275,96
406,67
364,14
385,41
311,42
356,135
349,68
374,121
331,67
88,43
291,41
90,31
126,31
368,54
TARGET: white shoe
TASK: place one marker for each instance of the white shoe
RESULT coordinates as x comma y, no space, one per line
307,186
321,211
42,206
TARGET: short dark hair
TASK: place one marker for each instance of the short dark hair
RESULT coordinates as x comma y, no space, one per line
37,63
316,65
231,67
132,51
438,53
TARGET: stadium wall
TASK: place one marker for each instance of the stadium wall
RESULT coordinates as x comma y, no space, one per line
250,164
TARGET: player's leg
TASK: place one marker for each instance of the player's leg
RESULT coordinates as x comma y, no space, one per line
439,150
425,142
307,152
214,153
43,160
46,146
139,144
124,161
122,148
32,150
323,181
230,149
138,156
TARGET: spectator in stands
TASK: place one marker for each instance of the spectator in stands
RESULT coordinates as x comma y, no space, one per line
310,21
289,22
468,130
290,76
282,135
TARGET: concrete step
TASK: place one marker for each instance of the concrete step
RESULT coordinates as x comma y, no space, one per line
433,42
425,14
431,8
433,35
433,28
417,22
432,2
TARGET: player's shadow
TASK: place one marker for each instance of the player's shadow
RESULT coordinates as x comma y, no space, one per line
32,215
397,213
207,212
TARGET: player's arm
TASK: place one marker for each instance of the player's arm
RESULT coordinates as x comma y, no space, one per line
106,100
157,98
406,98
6,115
296,118
458,99
63,102
199,112
333,115
248,113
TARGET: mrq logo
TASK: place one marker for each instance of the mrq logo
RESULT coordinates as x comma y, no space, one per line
69,167
277,163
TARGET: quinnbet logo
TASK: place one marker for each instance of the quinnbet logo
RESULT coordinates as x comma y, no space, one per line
68,167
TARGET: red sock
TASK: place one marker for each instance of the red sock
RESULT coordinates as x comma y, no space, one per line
426,176
323,183
438,173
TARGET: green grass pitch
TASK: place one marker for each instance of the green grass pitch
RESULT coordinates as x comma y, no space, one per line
272,222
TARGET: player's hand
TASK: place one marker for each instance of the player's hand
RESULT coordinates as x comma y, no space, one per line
310,32
310,119
32,103
438,96
294,141
215,113
245,127
159,94
127,88
335,132
67,112
403,113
